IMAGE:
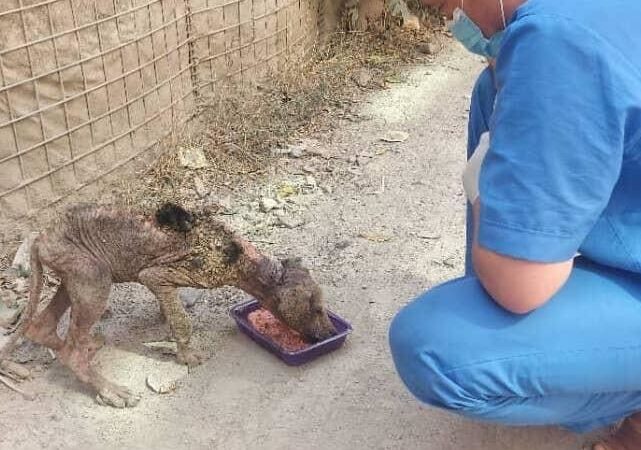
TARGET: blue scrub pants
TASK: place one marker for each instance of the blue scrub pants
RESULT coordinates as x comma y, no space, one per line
575,362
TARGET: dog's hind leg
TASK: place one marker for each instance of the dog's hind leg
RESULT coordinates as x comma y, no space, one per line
88,286
43,328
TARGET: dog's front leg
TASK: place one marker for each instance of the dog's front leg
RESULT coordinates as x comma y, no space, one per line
163,282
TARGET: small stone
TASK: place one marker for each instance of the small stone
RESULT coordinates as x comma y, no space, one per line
279,151
395,136
362,78
192,157
20,285
296,151
8,316
342,245
199,187
160,386
190,296
267,204
8,298
411,22
310,181
309,169
425,48
289,222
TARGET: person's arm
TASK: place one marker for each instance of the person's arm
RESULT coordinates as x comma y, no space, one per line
517,285
554,157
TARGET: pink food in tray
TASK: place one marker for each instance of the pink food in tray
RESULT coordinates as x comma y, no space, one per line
265,323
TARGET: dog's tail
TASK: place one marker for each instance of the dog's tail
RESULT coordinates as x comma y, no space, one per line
35,288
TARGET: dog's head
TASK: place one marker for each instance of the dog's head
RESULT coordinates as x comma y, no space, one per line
296,299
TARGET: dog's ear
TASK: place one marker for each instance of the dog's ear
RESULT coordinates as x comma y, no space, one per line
232,252
175,217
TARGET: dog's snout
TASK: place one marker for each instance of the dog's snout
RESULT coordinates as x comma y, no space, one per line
324,334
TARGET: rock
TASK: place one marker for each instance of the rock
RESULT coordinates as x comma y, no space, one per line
15,369
342,245
199,187
289,222
362,77
20,286
8,298
192,157
411,22
8,316
296,151
266,204
189,296
159,385
428,48
293,150
395,136
21,261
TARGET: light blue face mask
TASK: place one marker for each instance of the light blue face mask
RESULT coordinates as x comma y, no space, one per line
470,35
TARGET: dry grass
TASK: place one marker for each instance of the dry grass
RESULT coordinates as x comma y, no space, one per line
239,125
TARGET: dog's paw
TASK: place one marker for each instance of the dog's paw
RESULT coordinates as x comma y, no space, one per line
189,357
117,396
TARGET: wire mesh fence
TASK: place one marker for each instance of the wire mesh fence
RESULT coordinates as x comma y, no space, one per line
87,86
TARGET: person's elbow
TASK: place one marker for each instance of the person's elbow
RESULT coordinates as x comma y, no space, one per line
519,286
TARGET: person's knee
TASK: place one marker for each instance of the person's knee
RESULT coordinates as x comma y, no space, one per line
422,348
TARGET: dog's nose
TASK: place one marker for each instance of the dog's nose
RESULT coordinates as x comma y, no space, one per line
322,335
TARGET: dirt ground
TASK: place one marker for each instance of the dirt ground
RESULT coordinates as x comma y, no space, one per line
378,223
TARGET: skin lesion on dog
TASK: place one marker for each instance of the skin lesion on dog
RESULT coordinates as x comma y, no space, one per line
90,247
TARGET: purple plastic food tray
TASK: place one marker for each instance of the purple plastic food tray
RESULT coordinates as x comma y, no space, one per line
343,328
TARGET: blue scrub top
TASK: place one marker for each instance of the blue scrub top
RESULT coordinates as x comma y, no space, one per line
563,173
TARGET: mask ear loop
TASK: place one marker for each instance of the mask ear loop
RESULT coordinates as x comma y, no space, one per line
502,13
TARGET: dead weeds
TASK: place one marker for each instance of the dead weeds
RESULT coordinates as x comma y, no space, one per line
240,124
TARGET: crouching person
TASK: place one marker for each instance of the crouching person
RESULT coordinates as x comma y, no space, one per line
533,334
